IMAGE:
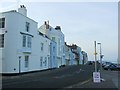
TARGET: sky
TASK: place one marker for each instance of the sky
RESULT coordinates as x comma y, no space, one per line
82,23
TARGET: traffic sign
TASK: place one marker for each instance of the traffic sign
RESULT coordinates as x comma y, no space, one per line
96,77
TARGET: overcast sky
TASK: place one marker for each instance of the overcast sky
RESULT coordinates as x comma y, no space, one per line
82,23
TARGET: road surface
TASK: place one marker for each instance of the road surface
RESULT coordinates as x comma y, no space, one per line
57,78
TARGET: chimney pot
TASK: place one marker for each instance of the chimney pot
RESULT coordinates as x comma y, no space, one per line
22,10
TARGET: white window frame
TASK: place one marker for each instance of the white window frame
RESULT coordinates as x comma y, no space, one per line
27,41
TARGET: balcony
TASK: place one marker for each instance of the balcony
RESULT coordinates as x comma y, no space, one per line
26,50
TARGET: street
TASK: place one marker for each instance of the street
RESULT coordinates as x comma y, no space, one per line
111,81
57,78
67,77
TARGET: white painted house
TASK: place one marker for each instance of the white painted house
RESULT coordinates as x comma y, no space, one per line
56,35
69,55
85,57
22,47
80,55
25,48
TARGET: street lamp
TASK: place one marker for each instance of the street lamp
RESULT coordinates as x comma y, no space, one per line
101,56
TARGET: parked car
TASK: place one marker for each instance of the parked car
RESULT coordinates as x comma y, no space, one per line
110,67
118,67
90,62
105,64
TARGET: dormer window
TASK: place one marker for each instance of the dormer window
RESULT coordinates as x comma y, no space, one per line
27,26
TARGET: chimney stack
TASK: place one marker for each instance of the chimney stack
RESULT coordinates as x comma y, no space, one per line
58,28
22,10
46,24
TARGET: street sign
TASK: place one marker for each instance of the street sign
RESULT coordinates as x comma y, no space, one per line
96,77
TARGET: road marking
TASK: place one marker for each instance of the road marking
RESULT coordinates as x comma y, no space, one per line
78,84
85,82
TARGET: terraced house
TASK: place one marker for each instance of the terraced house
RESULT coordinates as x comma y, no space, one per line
22,47
26,48
56,35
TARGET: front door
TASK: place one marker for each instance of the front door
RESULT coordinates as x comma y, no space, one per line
19,64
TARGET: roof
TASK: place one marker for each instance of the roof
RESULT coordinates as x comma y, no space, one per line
14,11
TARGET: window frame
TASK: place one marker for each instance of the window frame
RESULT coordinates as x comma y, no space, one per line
42,46
45,62
24,41
2,22
2,36
29,41
26,61
41,61
27,27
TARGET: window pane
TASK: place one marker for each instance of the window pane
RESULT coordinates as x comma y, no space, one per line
41,61
27,26
53,38
3,19
24,41
29,42
42,46
45,61
1,40
26,61
2,22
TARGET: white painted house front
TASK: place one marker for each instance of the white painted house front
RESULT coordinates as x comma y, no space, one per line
25,48
56,35
85,57
22,47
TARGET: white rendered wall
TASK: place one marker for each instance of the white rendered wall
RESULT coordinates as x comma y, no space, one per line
10,60
15,24
59,37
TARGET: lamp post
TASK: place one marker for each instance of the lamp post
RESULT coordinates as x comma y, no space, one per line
100,57
95,57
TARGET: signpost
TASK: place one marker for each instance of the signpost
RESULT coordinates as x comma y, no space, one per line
96,77
95,58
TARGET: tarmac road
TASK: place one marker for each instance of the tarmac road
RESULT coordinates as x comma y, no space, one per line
111,81
57,78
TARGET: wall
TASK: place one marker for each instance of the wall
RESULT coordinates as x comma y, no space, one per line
14,53
59,39
53,54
